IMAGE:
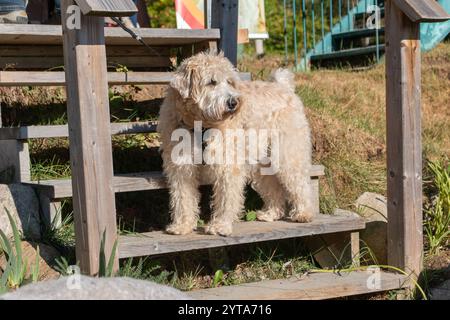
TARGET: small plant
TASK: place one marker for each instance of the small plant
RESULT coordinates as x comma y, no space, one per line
218,278
106,269
15,272
437,215
62,266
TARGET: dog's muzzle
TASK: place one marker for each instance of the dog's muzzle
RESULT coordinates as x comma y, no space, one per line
232,104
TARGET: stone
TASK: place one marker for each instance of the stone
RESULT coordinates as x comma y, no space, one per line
23,205
442,292
373,208
79,287
47,259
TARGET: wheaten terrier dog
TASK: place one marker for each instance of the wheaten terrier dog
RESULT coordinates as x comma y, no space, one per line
218,129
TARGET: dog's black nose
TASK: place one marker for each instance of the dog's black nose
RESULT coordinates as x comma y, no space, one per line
232,104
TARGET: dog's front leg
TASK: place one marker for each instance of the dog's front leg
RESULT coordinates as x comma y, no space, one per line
228,199
184,198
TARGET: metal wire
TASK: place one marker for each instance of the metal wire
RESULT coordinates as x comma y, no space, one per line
134,35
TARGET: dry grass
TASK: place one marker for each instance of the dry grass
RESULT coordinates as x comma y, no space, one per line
347,114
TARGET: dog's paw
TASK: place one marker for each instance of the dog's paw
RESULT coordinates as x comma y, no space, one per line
268,215
178,229
302,217
219,229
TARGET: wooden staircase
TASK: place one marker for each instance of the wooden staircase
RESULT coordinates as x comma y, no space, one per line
31,50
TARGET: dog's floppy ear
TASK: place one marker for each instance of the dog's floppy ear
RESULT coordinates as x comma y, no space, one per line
182,80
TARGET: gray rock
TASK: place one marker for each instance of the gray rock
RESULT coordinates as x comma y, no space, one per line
22,203
86,288
442,292
373,208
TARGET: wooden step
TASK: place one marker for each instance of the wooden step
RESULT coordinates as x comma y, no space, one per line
347,53
62,131
158,242
52,35
313,286
355,34
60,189
45,78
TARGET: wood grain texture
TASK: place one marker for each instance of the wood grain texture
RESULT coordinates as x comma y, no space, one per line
155,243
62,131
224,16
24,50
59,189
45,63
15,165
107,8
314,286
422,10
90,140
404,147
52,35
43,78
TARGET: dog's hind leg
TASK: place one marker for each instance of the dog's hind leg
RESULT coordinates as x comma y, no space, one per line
273,195
228,199
184,198
299,191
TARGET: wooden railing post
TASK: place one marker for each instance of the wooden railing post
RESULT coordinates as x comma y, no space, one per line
90,137
224,16
404,147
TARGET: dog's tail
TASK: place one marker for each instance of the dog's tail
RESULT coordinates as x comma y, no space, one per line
284,77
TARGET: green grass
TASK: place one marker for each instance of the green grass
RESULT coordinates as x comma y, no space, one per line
17,272
437,211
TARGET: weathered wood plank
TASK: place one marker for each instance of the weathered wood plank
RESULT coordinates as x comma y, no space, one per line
62,131
224,16
24,50
59,189
404,147
36,63
52,35
42,78
314,286
15,163
155,243
107,8
423,10
90,140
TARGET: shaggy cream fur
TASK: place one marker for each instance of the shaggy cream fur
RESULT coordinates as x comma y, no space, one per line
207,88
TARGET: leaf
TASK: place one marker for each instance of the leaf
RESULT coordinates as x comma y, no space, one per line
250,216
218,278
35,270
112,259
102,258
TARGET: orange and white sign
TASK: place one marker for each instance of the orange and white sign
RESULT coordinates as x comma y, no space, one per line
190,14
252,17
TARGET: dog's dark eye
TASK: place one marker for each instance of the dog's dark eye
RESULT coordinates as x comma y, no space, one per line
213,82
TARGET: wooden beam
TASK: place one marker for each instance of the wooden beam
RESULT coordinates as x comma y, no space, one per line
62,131
225,17
90,140
107,8
56,78
423,10
404,147
49,34
313,286
157,242
154,180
